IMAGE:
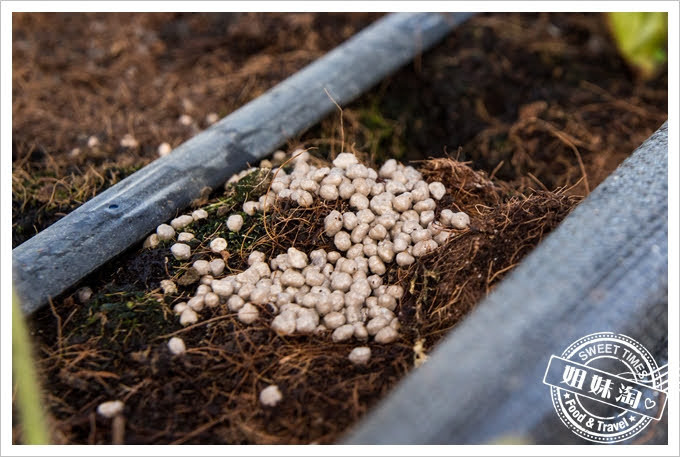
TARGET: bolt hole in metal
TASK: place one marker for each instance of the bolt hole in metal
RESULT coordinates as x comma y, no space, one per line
113,206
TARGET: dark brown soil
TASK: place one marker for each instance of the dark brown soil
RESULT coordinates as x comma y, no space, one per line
527,97
108,75
541,106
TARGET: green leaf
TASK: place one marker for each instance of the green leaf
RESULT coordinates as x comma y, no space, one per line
28,395
642,40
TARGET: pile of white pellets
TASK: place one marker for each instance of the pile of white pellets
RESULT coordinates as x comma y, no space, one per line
339,292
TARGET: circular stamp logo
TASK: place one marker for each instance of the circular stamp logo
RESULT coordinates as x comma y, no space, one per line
606,387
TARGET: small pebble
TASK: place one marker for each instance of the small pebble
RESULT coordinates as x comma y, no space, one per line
422,248
358,201
446,216
395,291
333,223
341,281
306,321
360,332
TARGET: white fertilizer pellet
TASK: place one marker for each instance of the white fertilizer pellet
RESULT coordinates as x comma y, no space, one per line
235,222
92,142
188,317
84,294
176,346
128,141
165,232
360,355
181,251
211,118
110,409
218,245
184,237
271,396
390,220
164,149
168,286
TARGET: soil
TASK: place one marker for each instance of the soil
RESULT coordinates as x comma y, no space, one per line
77,76
539,106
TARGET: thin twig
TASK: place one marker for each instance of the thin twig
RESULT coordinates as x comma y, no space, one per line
342,129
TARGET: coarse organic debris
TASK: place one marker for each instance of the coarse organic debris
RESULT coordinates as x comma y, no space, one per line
537,101
117,344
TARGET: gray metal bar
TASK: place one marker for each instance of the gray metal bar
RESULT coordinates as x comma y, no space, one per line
603,269
59,256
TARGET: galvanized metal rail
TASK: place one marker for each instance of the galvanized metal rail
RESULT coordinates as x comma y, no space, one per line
59,256
605,268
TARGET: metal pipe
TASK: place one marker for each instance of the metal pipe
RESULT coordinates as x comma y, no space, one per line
59,256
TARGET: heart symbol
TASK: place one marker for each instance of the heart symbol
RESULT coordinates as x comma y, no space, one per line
649,403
